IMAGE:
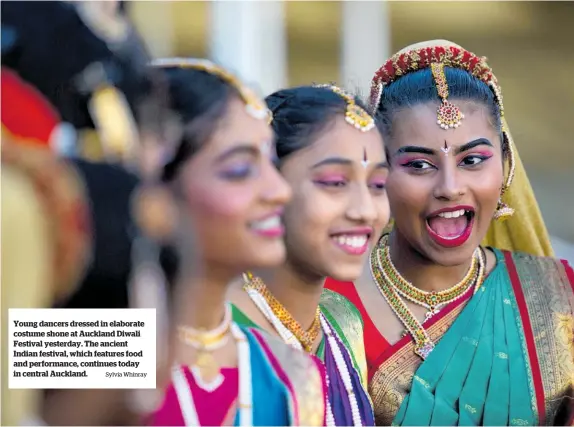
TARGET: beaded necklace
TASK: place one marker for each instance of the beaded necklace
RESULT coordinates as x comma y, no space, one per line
423,343
257,290
289,337
433,300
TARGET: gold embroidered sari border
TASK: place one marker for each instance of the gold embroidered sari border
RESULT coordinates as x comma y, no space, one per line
392,379
549,305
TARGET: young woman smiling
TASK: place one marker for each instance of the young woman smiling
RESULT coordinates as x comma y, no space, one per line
331,153
229,197
458,333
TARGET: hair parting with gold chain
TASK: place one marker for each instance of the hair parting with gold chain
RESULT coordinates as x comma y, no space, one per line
449,116
302,114
253,104
198,92
355,115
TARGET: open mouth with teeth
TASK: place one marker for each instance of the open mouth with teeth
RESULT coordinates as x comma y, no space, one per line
271,226
353,244
451,228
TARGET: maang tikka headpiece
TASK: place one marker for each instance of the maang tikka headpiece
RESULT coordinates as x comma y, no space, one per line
354,115
448,115
253,104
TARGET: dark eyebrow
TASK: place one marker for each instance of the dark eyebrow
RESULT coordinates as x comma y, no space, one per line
239,149
332,161
470,145
415,149
423,150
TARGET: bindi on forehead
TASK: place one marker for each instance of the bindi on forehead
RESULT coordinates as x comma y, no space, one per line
365,162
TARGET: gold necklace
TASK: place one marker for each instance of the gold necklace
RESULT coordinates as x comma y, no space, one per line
423,343
305,337
205,368
430,300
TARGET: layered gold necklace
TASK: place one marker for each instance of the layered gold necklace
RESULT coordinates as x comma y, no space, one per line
205,369
281,319
433,300
392,286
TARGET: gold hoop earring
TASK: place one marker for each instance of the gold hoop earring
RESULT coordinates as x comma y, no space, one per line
503,211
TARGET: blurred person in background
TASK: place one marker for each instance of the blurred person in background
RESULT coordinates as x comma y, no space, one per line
459,333
332,154
86,77
230,198
67,222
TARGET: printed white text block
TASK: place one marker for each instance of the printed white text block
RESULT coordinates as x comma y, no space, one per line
77,348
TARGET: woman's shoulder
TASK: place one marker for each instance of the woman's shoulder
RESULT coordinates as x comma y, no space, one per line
548,267
531,257
544,291
546,283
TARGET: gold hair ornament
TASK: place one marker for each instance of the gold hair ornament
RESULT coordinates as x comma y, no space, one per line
437,57
448,115
354,115
114,122
254,106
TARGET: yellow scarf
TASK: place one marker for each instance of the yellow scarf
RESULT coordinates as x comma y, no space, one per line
525,231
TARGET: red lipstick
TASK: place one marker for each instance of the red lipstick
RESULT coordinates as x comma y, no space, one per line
353,241
456,230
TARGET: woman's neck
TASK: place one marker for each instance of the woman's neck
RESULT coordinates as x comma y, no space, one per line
297,292
201,298
420,271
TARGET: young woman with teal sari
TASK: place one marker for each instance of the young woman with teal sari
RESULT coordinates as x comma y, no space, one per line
332,154
228,197
459,333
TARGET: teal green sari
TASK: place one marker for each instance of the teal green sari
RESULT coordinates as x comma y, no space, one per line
477,371
490,367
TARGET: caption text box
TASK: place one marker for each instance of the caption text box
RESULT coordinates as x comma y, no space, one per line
82,348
